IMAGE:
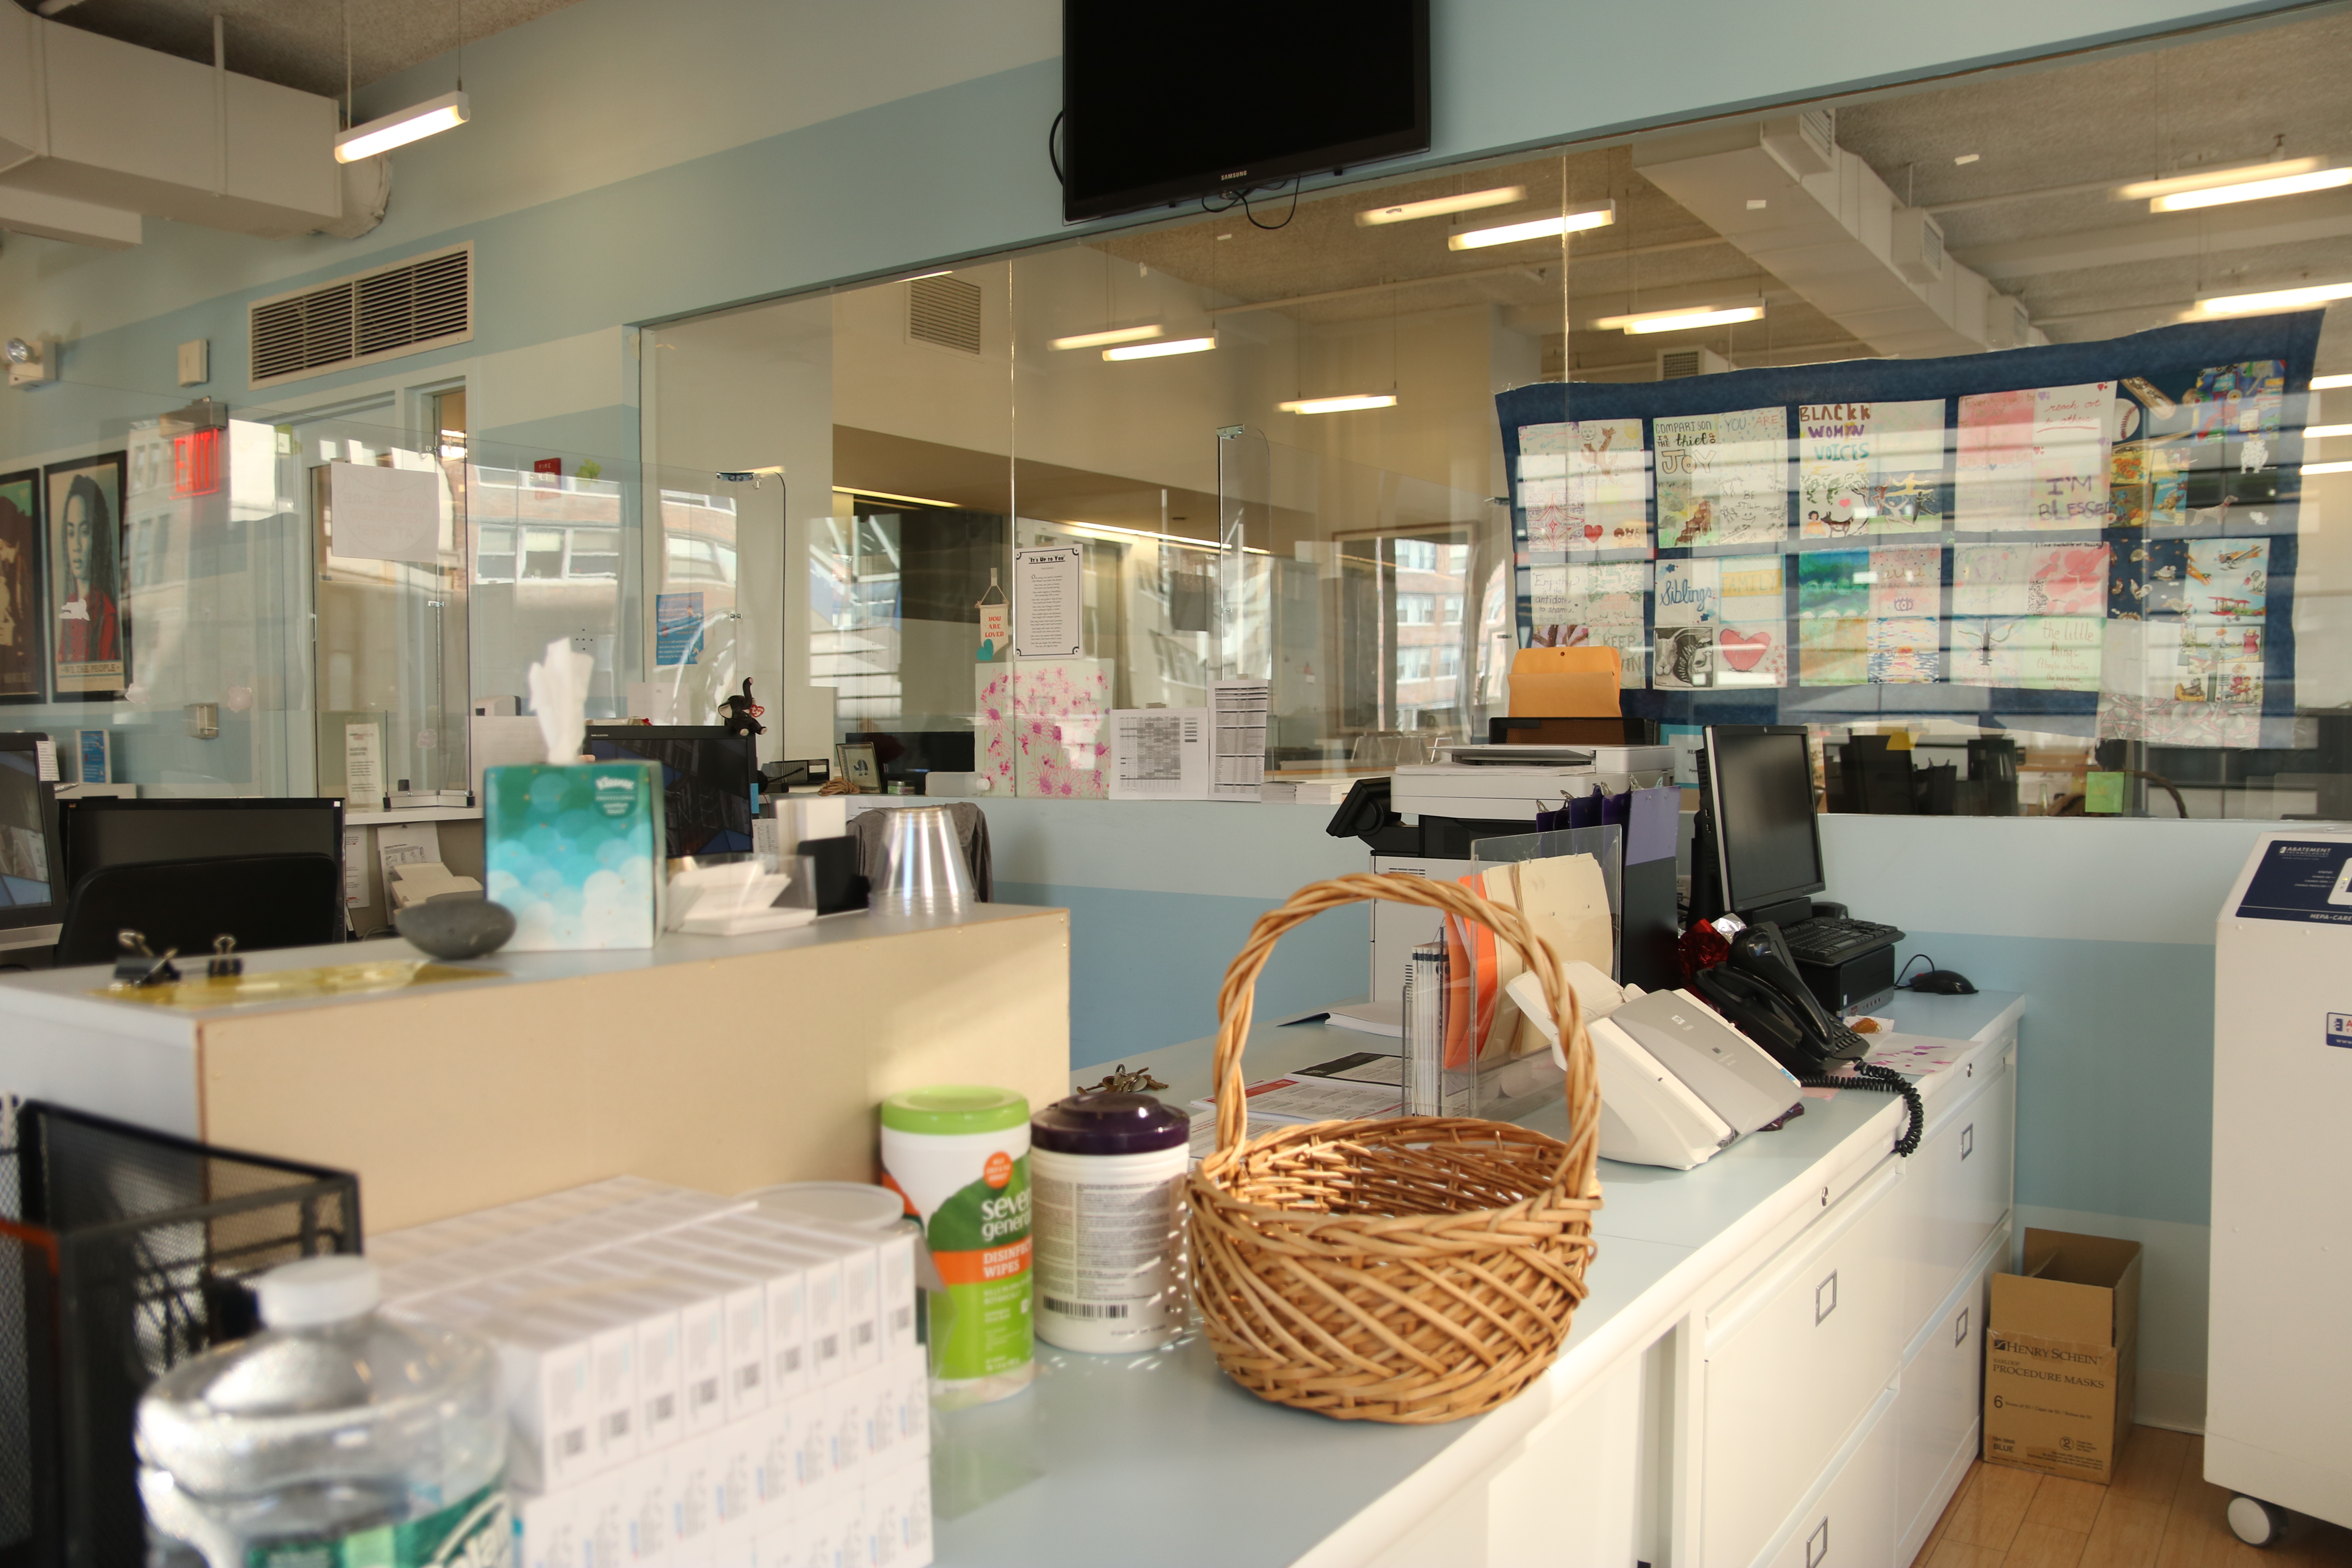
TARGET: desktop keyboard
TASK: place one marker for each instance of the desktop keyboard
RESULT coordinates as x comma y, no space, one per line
1834,941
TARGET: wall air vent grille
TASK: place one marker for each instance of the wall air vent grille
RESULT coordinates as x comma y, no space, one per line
944,311
427,303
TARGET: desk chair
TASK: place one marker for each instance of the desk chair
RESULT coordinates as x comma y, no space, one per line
263,900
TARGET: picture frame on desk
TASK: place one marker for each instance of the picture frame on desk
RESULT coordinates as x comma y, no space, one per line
855,763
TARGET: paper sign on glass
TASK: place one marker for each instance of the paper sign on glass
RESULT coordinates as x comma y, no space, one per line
1049,602
1723,479
1584,485
1869,468
385,514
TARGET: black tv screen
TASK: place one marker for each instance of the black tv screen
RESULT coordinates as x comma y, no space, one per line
1165,102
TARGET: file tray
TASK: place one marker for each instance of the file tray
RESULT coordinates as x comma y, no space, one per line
123,1254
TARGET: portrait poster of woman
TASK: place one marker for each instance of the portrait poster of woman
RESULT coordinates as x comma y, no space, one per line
20,586
89,623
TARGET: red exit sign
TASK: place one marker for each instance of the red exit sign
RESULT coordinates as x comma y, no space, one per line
196,462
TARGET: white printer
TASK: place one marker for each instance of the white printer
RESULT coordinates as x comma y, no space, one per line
1511,784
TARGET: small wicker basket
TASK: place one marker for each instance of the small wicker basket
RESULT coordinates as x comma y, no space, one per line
1416,1269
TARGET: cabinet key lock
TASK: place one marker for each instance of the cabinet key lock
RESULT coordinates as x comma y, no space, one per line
1960,1328
1816,1546
1968,1139
1825,1297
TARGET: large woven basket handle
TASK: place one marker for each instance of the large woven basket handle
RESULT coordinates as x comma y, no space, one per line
1236,1000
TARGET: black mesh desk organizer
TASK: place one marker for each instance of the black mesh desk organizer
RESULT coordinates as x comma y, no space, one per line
121,1255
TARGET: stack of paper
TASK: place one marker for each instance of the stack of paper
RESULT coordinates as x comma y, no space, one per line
419,880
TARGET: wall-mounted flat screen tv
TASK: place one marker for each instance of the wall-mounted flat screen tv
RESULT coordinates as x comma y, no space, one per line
1165,101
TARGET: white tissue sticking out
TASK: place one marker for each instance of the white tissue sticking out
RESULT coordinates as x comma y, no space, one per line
559,699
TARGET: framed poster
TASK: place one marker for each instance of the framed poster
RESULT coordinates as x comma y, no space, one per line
89,634
21,650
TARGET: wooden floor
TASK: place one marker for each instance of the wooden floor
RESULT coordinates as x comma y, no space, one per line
2159,1512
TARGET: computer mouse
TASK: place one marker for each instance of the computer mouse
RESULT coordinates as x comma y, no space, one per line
1943,983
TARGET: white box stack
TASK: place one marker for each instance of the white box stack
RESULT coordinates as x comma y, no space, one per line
691,1384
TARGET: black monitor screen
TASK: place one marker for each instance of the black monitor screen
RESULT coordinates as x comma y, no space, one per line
1167,101
1761,783
107,832
710,782
27,879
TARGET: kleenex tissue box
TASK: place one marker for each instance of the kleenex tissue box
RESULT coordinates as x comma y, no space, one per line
575,853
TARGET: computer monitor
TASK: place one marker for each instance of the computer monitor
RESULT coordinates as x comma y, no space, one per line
102,831
1759,799
710,781
32,869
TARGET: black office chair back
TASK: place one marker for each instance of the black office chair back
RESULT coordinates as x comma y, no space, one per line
263,900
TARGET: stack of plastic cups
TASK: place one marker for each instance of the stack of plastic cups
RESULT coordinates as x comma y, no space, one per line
923,869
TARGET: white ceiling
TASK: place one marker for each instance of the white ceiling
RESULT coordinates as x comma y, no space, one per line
299,43
2087,266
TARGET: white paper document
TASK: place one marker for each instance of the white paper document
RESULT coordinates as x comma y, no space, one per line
1159,753
363,766
385,514
405,843
1240,708
1049,603
1315,1100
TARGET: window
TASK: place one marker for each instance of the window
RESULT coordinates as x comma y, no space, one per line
595,552
695,560
494,555
1416,555
1449,660
1412,663
1419,609
1450,613
542,553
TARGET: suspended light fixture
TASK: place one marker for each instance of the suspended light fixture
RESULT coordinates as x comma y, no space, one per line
430,118
1438,207
2253,191
401,127
2329,383
1105,339
1162,350
1343,405
1645,321
2214,179
2273,299
1547,227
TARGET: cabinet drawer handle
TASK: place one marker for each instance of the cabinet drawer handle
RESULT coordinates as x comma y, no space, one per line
1961,1329
1817,1545
1968,1139
1825,1297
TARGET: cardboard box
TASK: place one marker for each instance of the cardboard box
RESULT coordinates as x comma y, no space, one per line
2062,1357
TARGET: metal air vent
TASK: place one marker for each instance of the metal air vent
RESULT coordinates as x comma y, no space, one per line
1916,245
1675,364
945,312
423,304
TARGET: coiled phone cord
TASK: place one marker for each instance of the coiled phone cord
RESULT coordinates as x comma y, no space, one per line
1870,1075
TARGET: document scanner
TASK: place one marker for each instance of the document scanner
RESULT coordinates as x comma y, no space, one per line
1677,1083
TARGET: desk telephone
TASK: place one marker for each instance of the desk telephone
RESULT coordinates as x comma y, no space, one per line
1758,990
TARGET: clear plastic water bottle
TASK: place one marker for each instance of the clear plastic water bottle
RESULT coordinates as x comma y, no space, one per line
334,1438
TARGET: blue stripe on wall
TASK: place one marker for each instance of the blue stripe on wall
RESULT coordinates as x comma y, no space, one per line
2115,1089
1145,967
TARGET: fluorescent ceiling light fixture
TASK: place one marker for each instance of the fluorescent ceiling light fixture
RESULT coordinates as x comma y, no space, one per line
1682,320
1105,339
1162,349
2321,432
2208,179
2253,190
2311,468
414,123
1438,207
1550,227
937,272
1348,403
2273,299
886,495
2329,383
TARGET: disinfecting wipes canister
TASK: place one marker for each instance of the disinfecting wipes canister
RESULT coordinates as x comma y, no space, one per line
958,1156
1107,1171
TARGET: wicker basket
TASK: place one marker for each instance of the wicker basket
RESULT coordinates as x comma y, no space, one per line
1417,1269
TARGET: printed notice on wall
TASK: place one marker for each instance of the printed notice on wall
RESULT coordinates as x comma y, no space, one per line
363,765
1048,603
1240,708
385,514
1159,753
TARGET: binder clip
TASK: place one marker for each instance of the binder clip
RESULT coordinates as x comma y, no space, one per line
225,963
136,965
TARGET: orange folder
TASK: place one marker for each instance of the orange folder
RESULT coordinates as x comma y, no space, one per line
1565,683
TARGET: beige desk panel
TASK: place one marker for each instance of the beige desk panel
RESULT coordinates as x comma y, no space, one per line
722,1074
